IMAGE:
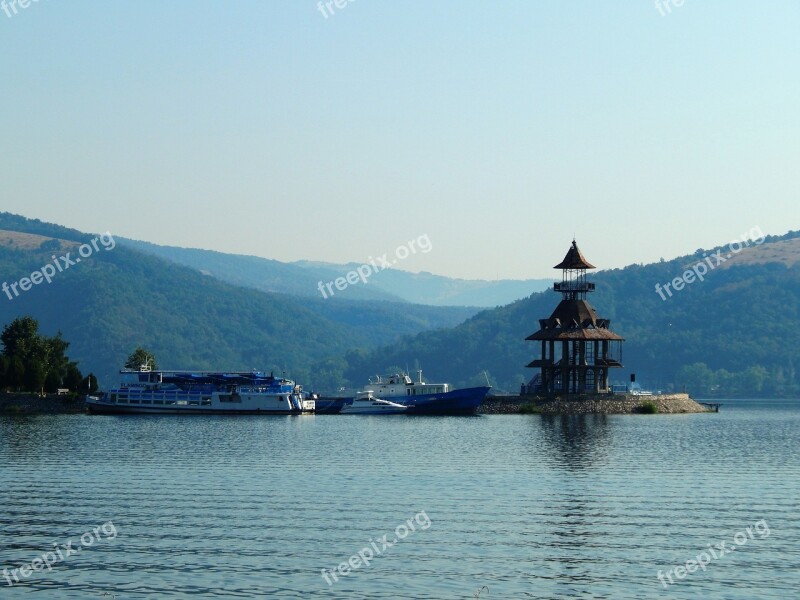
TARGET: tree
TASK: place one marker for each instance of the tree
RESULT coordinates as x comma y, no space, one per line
21,339
15,376
55,351
4,364
73,377
50,245
141,357
89,384
32,361
35,376
52,382
698,378
752,380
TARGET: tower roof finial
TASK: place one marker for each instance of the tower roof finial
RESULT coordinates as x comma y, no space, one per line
574,259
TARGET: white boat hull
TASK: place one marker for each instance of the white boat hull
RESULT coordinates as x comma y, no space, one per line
367,405
216,403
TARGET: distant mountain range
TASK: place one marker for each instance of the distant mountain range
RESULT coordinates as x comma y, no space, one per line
120,298
731,334
302,279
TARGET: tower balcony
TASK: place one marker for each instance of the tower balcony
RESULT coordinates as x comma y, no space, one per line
574,286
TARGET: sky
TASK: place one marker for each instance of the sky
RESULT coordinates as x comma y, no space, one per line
495,130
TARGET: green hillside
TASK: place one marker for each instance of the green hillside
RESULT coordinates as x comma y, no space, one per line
734,333
302,278
731,334
119,298
259,273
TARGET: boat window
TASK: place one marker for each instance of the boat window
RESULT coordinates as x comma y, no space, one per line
146,401
132,401
158,402
194,403
408,392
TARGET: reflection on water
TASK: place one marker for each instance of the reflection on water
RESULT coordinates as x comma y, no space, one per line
530,506
578,441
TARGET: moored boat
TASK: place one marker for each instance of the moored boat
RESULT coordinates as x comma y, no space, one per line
200,392
419,397
327,405
366,404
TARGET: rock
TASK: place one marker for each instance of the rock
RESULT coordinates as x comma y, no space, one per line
31,404
608,404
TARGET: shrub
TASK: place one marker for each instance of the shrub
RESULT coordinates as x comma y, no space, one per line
648,408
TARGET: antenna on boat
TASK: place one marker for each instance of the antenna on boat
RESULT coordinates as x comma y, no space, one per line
487,379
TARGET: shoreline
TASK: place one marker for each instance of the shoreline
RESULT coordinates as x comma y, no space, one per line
608,404
32,404
616,404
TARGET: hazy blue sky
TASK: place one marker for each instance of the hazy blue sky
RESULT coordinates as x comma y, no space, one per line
499,129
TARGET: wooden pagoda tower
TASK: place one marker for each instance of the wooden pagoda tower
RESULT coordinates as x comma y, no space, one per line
578,348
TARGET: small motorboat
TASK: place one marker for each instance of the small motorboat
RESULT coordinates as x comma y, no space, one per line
366,404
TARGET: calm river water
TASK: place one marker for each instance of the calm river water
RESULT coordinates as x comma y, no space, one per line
526,505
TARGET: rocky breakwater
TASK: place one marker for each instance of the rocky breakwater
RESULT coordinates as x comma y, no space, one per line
33,404
608,404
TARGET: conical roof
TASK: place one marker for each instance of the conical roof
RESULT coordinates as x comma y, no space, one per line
574,260
574,320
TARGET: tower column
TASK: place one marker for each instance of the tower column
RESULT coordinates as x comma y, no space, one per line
581,367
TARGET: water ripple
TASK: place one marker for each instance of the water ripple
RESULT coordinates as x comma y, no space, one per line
530,506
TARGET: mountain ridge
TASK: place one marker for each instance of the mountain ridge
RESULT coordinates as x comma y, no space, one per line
707,336
117,300
302,278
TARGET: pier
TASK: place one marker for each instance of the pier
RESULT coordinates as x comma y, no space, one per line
608,404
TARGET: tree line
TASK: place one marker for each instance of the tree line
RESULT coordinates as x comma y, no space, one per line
32,362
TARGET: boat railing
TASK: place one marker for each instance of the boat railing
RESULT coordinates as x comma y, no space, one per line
157,394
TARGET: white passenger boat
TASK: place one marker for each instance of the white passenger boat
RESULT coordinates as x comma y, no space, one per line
201,392
366,404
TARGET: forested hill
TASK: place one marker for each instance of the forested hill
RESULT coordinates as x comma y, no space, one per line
118,299
302,278
735,333
731,334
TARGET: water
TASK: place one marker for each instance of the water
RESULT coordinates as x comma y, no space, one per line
529,506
